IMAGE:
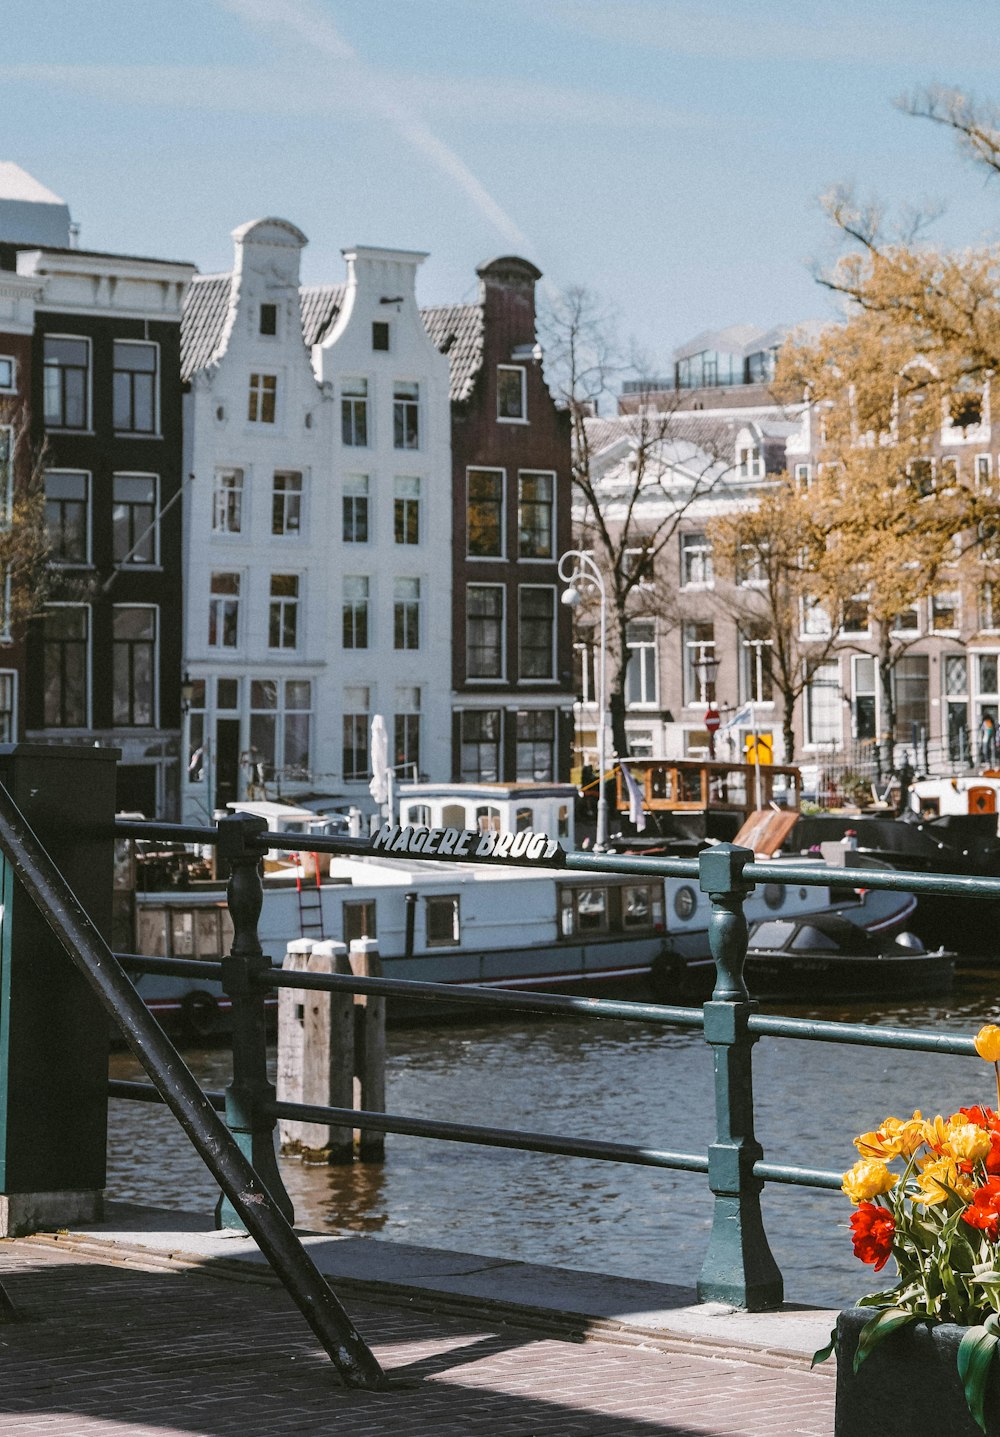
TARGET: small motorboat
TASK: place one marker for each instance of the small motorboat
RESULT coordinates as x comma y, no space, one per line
826,956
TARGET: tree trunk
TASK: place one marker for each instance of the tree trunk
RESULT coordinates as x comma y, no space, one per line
885,740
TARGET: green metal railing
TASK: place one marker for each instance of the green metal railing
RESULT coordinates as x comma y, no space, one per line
739,1268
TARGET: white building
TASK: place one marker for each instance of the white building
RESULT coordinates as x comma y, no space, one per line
318,526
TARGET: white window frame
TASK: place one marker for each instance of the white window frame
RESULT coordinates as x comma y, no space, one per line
87,426
363,600
403,606
349,401
812,743
256,395
551,676
14,677
155,699
285,496
521,418
695,557
402,404
502,552
500,677
956,607
279,604
10,388
217,602
984,473
549,474
87,668
221,493
643,651
155,432
87,561
152,529
355,487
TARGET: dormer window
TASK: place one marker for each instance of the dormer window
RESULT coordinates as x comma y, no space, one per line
512,399
751,461
269,319
380,336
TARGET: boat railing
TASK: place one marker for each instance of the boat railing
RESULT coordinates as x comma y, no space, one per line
739,1267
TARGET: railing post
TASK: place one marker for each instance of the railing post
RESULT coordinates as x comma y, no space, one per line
739,1268
251,1091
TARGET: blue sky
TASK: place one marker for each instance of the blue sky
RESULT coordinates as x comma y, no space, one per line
669,154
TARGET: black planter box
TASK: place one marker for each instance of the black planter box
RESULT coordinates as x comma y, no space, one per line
909,1384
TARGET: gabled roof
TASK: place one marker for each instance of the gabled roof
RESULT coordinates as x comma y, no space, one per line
455,329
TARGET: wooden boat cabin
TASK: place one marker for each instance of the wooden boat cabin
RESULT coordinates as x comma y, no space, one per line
670,785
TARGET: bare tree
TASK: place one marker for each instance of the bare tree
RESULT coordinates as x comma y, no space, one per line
27,579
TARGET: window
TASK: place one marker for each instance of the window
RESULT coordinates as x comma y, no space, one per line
534,514
263,398
511,393
134,387
965,408
269,319
908,622
283,613
354,412
356,720
637,567
8,705
536,745
921,475
699,651
355,509
854,618
355,614
280,722
484,631
696,560
865,689
134,665
66,517
480,744
286,503
944,611
956,695
536,632
406,415
134,530
640,675
750,461
8,376
988,604
823,720
803,475
406,510
196,771
583,910
484,513
984,472
359,920
751,565
65,663
227,501
911,685
66,382
406,613
406,732
224,611
988,673
815,619
756,683
380,335
949,471
441,919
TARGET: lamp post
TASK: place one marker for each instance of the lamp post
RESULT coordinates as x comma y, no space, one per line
577,569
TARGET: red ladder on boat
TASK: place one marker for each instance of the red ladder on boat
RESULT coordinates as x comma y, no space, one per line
310,900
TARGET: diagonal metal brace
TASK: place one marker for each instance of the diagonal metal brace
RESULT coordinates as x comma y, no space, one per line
259,1213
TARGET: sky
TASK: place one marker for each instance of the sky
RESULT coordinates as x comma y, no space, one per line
669,155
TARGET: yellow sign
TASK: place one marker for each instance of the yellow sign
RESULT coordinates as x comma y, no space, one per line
761,749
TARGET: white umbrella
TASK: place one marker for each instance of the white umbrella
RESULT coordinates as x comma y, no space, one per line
379,786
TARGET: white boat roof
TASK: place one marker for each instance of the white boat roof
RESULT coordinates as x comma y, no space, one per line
276,813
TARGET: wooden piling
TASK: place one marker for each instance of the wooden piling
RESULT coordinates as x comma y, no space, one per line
316,1053
369,1048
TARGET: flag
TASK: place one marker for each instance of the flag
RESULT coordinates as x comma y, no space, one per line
741,716
379,785
635,809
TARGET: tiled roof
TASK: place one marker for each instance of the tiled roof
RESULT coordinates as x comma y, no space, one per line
707,431
456,329
202,321
320,305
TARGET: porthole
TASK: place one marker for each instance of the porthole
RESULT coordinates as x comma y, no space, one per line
774,894
685,902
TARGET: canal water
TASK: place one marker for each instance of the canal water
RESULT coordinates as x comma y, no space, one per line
615,1081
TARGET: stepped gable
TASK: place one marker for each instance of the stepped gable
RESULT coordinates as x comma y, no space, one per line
457,330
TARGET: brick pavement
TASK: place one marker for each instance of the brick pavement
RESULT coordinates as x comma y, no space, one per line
109,1349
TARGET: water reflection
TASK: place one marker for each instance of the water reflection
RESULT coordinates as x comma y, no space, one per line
614,1081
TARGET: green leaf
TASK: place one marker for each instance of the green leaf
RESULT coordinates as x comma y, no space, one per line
822,1353
878,1328
975,1357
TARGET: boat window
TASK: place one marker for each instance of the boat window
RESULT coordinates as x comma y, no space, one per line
524,819
660,785
152,931
563,820
636,906
182,934
774,894
441,916
452,816
488,819
359,920
591,909
685,902
812,940
690,785
566,912
208,932
772,935
419,814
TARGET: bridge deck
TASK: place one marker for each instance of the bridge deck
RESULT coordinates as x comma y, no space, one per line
152,1326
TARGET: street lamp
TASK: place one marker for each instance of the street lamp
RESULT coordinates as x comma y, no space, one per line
577,569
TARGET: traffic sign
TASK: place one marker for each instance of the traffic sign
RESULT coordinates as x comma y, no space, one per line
712,720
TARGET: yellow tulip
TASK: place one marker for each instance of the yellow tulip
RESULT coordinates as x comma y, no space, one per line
893,1136
968,1142
867,1179
987,1042
936,1178
935,1132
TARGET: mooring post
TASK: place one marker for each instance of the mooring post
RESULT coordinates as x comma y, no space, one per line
739,1268
316,1053
251,1092
369,1048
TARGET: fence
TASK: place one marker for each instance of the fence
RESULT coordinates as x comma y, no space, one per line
739,1267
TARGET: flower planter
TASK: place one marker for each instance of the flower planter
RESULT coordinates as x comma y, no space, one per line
909,1384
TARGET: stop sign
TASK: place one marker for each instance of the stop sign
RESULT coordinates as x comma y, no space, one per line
712,720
